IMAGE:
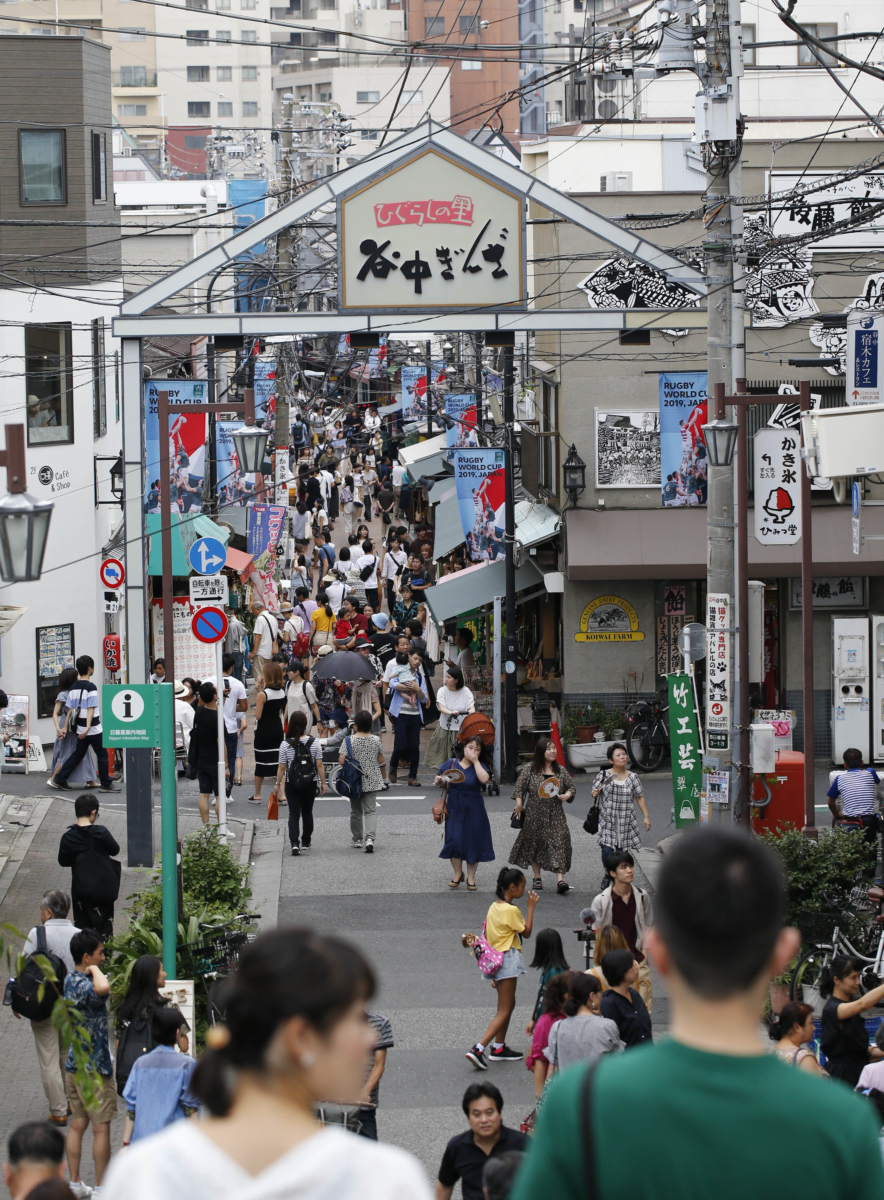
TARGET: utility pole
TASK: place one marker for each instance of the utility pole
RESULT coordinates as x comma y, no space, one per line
282,434
718,124
511,714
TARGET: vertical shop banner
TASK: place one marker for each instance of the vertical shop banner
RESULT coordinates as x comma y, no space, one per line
718,679
234,488
481,494
687,764
266,525
187,447
683,411
461,407
265,390
777,487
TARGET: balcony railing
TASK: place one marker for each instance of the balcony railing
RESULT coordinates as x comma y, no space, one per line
134,79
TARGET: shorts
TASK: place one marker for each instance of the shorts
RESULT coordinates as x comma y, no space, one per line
208,783
512,967
106,1099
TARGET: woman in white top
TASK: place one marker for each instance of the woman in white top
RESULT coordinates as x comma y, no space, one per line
454,700
296,1034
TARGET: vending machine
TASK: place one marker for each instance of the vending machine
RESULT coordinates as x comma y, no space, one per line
877,640
851,686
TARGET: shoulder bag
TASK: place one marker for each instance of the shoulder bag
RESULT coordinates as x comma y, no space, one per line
348,782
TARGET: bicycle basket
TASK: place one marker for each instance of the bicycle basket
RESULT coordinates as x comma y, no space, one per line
211,954
816,926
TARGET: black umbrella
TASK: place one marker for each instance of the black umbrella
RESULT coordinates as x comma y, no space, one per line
345,665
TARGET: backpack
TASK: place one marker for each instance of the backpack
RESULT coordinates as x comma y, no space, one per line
25,989
302,644
366,573
490,960
135,1041
302,770
95,878
348,781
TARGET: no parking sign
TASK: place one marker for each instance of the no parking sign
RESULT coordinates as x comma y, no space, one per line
209,625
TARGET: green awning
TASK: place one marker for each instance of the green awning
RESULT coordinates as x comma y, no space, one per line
476,586
185,531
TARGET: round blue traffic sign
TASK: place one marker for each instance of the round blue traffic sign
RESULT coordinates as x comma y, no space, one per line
856,499
207,556
209,625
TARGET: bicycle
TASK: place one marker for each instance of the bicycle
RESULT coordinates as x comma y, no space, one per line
825,933
212,958
647,736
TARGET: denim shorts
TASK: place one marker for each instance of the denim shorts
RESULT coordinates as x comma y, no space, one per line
512,967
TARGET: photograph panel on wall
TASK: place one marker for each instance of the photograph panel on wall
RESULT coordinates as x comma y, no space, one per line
627,448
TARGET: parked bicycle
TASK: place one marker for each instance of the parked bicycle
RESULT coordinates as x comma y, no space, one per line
825,933
647,734
212,958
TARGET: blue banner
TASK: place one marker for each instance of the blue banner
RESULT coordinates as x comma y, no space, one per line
682,448
187,446
462,435
481,494
265,526
265,388
234,488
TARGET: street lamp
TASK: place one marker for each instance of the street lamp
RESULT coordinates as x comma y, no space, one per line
250,443
24,521
116,478
574,472
721,442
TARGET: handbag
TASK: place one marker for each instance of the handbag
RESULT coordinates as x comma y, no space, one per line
591,824
273,806
490,960
348,782
517,819
440,808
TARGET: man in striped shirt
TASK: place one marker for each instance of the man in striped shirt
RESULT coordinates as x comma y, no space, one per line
855,787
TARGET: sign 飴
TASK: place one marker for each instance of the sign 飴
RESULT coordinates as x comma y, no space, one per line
431,235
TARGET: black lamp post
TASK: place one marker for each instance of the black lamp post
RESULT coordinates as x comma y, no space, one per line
721,442
24,521
250,443
116,478
574,474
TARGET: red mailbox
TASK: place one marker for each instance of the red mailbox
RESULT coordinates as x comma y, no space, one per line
112,653
786,785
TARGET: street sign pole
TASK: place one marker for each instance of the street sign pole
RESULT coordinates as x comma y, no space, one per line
169,826
222,782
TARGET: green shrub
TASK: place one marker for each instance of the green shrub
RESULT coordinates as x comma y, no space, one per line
833,864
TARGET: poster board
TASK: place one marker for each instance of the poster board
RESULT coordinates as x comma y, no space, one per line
14,720
192,657
55,652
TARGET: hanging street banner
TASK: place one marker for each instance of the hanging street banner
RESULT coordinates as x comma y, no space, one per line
683,408
414,391
718,665
462,408
187,446
234,488
777,487
431,235
266,525
265,389
481,495
687,763
865,357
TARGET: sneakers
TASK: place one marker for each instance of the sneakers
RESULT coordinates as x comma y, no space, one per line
106,787
305,846
61,785
504,1054
356,843
369,845
80,1190
296,851
477,1058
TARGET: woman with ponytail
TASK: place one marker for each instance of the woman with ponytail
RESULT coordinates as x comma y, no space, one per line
296,1034
845,1041
322,620
586,1035
792,1028
503,926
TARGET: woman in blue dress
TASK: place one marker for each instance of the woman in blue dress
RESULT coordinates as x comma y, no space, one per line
467,831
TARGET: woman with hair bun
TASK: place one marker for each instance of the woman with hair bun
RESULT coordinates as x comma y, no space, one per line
845,1040
296,1034
792,1028
586,1035
504,929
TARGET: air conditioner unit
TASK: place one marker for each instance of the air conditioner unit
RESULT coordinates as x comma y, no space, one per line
611,100
616,181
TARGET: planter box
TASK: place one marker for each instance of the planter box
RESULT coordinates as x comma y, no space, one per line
588,756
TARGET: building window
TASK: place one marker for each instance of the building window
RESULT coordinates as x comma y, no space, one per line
132,76
470,64
250,72
635,337
413,97
197,37
222,5
99,394
194,141
329,4
548,424
199,108
99,166
328,38
197,74
250,108
225,74
49,384
249,36
225,108
223,35
132,35
325,97
434,26
201,5
43,166
131,110
469,25
247,3
369,135
806,56
367,97
748,36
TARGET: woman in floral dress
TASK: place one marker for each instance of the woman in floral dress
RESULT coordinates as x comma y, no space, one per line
545,842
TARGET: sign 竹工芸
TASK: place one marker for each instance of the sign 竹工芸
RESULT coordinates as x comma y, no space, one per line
130,714
718,667
865,344
687,764
777,487
404,247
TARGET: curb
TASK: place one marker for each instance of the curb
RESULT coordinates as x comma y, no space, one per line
9,867
268,845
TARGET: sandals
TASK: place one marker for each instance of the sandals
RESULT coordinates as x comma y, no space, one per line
471,887
538,884
455,883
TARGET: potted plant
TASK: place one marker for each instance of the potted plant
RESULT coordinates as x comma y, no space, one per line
614,725
578,725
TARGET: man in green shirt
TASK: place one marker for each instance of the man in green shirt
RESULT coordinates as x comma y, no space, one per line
708,1112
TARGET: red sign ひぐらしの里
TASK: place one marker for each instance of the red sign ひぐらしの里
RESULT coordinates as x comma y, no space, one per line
458,211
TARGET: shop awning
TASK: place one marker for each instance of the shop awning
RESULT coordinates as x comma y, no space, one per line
185,531
448,529
455,594
428,467
425,449
239,561
535,523
237,517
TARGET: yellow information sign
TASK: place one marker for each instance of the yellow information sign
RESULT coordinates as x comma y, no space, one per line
609,619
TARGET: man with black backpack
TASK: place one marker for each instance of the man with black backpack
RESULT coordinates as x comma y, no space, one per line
51,938
89,849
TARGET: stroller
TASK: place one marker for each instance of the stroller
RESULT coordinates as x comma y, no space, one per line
478,724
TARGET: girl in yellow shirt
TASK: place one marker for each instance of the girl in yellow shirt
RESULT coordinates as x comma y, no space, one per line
504,929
